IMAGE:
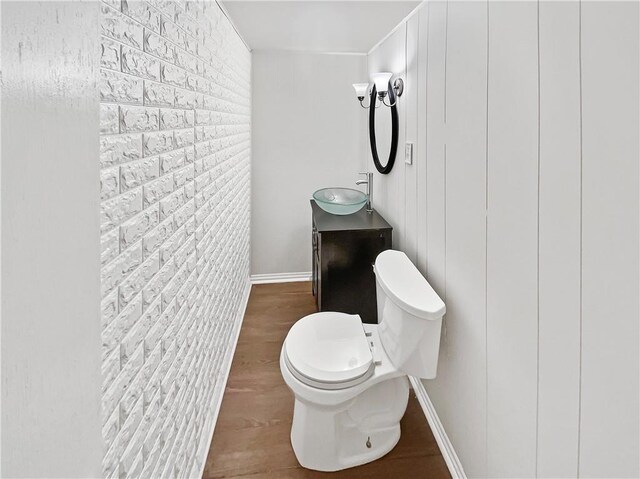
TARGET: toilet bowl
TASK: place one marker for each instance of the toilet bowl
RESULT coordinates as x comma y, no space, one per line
349,379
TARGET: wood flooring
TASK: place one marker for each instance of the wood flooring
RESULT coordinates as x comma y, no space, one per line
251,439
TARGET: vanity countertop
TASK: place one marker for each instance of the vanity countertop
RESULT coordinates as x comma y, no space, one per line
360,220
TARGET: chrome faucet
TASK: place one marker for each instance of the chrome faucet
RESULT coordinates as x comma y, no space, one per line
369,183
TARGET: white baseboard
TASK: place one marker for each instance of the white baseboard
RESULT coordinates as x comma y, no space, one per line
446,448
280,277
226,369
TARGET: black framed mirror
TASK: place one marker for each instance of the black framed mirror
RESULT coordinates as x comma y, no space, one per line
383,168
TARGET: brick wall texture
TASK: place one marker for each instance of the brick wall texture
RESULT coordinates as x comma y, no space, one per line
175,179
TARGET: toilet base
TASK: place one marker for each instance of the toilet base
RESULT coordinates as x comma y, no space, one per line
358,431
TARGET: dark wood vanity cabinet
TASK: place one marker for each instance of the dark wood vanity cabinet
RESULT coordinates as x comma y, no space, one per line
344,250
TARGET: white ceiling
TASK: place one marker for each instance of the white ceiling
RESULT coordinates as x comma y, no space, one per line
316,26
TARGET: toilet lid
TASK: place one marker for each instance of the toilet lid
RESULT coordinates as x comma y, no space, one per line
329,347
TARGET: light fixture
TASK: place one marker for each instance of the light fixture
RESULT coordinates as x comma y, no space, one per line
362,90
381,82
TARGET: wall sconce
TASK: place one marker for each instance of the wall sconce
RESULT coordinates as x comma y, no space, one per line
382,84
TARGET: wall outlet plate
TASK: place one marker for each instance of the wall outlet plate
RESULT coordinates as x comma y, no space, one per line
408,153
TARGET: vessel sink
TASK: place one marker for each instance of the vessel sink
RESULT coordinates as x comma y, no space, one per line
340,201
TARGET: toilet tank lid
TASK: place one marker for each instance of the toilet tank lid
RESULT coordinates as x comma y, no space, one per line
406,286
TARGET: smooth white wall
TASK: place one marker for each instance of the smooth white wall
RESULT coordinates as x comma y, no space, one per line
522,211
51,377
307,134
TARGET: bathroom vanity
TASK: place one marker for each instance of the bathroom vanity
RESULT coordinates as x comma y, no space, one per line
344,249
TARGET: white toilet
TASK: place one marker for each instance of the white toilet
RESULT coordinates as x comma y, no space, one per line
349,378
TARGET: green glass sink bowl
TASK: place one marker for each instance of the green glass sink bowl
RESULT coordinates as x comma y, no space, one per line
340,201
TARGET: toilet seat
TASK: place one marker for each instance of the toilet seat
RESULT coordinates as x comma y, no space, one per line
329,350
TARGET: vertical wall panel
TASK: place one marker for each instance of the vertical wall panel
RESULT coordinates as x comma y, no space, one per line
1,462
609,397
435,174
389,190
420,150
411,135
559,341
435,147
512,324
463,373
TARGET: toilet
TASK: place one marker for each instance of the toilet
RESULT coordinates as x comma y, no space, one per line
349,379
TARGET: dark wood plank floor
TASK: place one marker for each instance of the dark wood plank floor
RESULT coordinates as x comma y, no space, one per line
251,438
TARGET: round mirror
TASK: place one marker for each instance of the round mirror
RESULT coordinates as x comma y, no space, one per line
383,131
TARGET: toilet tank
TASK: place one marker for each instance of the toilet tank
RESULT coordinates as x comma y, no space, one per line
410,315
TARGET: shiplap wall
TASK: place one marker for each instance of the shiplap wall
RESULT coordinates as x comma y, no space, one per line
175,91
521,208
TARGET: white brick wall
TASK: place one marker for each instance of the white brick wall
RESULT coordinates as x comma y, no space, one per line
175,176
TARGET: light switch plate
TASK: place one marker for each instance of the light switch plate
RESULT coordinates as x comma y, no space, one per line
408,153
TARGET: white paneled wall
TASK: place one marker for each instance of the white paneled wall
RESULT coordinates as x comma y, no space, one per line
465,261
512,238
389,195
524,191
175,183
559,254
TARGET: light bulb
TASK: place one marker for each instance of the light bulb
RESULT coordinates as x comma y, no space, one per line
382,82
